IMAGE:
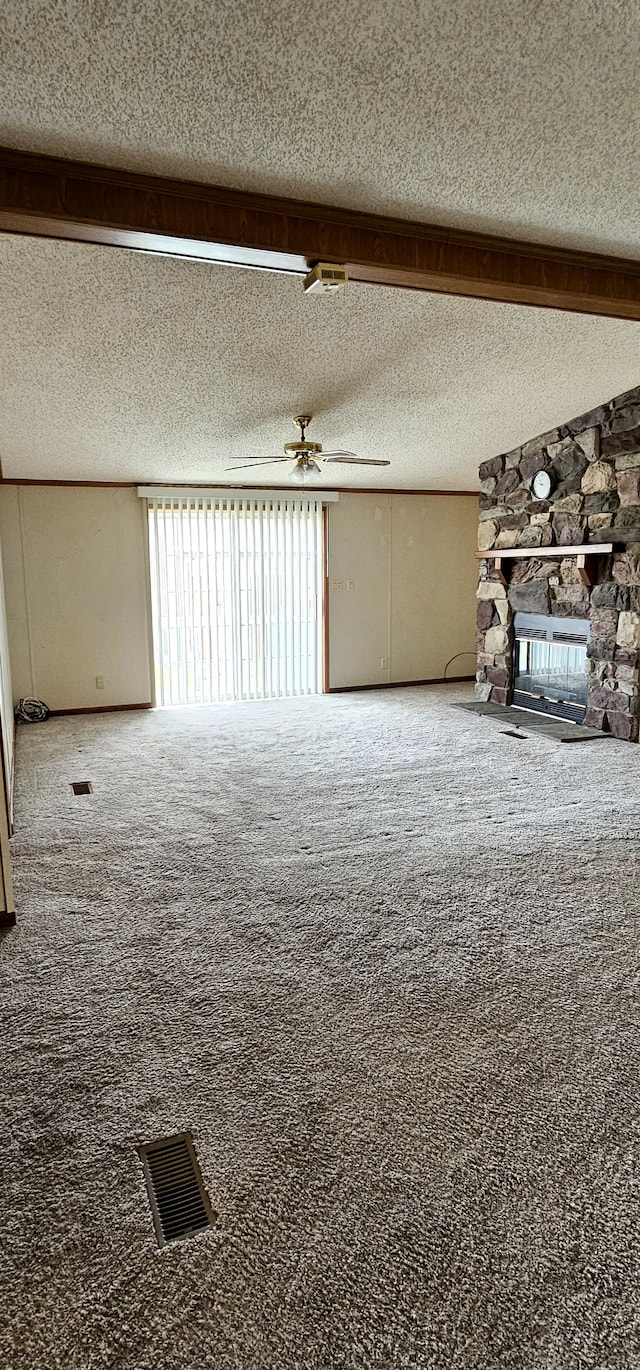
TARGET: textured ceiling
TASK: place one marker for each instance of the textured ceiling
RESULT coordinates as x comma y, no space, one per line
123,366
506,115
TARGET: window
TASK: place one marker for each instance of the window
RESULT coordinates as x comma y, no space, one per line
236,586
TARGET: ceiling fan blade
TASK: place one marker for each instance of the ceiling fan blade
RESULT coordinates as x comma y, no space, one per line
257,461
358,461
338,453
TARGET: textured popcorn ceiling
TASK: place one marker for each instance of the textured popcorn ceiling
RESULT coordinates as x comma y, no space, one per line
123,366
507,115
497,114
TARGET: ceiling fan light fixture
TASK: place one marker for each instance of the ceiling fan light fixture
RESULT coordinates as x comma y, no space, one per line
305,472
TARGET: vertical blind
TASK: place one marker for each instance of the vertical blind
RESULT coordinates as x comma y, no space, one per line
236,585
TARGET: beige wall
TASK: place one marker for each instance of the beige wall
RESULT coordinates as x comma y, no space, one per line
7,906
77,604
76,593
413,602
6,699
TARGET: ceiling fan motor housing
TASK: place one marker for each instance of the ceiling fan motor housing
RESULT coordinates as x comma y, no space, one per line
303,449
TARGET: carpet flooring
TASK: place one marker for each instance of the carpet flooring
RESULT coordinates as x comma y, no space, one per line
382,961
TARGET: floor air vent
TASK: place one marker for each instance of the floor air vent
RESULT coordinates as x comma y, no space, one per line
508,732
179,1202
81,787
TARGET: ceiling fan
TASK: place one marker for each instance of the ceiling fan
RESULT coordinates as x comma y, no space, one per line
307,455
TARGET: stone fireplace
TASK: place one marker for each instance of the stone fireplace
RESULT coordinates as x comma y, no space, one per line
563,572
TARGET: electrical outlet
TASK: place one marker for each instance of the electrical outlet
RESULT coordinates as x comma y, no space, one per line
350,586
384,663
99,682
337,586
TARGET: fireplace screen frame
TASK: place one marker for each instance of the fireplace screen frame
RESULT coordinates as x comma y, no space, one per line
550,665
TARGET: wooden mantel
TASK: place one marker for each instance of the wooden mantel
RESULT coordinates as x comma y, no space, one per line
583,556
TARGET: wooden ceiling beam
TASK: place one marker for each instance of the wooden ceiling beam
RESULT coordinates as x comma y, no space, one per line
51,198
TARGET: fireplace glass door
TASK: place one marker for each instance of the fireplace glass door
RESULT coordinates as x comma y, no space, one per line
550,665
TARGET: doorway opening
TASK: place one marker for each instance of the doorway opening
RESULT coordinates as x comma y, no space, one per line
237,597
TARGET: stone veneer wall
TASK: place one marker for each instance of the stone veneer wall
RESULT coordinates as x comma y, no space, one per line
595,462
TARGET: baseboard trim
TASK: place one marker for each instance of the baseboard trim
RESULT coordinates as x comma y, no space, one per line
7,920
400,684
99,709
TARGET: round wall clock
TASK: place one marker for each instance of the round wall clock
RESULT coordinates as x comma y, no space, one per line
541,485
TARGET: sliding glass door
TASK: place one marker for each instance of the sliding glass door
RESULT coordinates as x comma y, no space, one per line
236,587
